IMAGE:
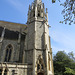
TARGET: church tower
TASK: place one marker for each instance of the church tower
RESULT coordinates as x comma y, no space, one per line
38,51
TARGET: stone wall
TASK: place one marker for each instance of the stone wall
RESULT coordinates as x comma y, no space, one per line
15,50
29,56
18,43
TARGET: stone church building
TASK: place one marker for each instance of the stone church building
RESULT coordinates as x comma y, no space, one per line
26,49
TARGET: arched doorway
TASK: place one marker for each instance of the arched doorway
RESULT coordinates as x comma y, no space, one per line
40,73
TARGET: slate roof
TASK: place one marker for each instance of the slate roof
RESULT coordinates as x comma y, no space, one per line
12,30
13,26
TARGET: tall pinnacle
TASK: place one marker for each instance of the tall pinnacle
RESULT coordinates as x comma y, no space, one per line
37,1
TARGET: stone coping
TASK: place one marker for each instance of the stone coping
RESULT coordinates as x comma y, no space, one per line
14,63
13,23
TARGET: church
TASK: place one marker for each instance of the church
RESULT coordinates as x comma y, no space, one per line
26,49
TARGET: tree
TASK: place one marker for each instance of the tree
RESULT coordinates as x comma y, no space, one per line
68,11
63,63
71,55
69,71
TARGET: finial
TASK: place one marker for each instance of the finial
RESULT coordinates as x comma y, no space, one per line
32,5
46,10
29,7
43,5
37,1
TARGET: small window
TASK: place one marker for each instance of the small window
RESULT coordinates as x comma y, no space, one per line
49,61
39,13
0,71
42,66
34,14
38,67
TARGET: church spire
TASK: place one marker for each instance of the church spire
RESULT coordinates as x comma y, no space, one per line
38,1
36,11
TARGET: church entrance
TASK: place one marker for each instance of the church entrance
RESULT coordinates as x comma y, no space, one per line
40,73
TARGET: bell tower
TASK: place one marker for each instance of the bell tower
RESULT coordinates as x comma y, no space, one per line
38,47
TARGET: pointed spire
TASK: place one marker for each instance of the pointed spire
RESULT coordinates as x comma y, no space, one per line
29,7
36,12
37,1
47,14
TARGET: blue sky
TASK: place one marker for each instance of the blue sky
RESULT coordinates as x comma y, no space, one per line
62,35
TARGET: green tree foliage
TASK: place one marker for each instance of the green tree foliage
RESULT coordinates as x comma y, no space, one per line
63,63
68,11
69,71
71,55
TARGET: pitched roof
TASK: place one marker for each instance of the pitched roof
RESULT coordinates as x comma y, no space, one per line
12,30
13,26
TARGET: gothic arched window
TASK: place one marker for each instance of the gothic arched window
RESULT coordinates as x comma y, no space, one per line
49,61
39,13
34,14
40,64
8,53
38,67
5,72
0,71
